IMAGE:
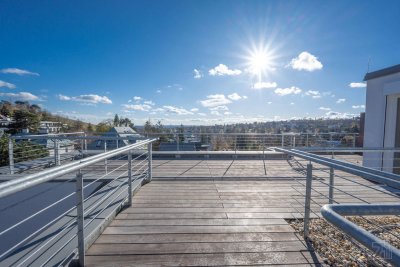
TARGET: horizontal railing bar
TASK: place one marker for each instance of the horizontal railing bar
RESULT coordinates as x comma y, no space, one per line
334,213
362,171
374,171
22,183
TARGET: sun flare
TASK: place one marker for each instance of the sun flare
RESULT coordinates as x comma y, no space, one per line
260,61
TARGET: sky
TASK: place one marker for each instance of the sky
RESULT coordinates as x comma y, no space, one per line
195,62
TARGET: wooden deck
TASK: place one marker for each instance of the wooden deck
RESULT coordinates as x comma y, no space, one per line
219,213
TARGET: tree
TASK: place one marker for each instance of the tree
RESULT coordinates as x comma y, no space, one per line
181,137
25,120
6,108
90,128
116,122
103,127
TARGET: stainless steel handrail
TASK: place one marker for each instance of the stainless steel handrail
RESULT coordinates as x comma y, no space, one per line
360,171
28,181
334,213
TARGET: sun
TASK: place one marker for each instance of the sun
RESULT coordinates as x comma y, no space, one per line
260,61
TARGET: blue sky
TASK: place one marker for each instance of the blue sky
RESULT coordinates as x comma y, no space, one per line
195,62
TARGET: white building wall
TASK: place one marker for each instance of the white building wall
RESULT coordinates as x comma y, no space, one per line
380,120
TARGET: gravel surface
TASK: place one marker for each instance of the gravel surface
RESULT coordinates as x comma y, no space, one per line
336,249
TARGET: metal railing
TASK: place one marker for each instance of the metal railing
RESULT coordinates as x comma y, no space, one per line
335,188
252,141
72,225
30,153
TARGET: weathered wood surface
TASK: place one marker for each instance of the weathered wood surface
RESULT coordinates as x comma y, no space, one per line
222,213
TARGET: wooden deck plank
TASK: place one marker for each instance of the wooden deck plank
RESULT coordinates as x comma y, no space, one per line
198,238
209,229
195,248
199,222
211,259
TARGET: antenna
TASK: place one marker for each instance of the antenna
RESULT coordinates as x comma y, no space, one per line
368,64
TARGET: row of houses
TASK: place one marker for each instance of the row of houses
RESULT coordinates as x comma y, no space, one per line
45,127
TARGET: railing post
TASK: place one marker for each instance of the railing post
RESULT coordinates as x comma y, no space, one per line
331,184
235,143
105,161
80,218
11,155
130,178
150,162
307,200
85,142
354,140
117,142
57,152
282,141
307,140
177,142
294,141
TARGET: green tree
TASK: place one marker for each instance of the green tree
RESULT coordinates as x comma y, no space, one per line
103,127
4,150
6,108
90,128
181,137
116,122
24,120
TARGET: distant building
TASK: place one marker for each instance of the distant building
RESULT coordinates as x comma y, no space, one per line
47,127
5,123
382,118
130,136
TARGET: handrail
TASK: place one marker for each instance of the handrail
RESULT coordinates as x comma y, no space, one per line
42,135
351,165
28,181
334,213
360,171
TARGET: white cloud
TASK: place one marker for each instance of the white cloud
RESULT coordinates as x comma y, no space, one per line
137,98
6,84
339,115
197,74
222,70
63,97
305,61
176,110
292,103
269,103
341,100
158,91
287,91
358,106
194,109
245,97
149,102
324,108
18,72
357,85
234,96
227,113
215,100
215,112
87,99
264,85
137,107
313,94
220,108
201,114
24,96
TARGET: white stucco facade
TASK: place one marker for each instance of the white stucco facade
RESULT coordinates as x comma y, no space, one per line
383,91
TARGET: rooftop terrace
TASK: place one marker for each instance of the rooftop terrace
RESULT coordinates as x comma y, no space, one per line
209,209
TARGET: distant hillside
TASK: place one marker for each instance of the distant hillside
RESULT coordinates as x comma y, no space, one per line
28,115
